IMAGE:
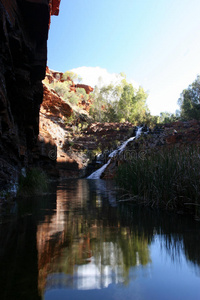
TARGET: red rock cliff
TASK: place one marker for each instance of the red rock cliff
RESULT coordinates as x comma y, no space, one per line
54,7
24,28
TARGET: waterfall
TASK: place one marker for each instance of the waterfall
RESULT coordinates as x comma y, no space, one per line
97,173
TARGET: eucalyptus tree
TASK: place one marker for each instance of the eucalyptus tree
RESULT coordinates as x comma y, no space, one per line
189,101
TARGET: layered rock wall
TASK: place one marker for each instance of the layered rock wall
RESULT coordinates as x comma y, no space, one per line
24,28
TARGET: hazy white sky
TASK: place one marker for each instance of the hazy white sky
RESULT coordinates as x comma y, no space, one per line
156,43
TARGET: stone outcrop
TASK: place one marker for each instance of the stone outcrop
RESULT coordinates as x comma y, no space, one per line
56,76
87,88
54,7
105,136
24,28
53,76
53,105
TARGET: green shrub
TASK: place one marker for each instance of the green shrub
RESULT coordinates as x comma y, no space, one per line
35,182
62,88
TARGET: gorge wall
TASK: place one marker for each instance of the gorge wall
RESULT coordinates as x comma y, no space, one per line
24,26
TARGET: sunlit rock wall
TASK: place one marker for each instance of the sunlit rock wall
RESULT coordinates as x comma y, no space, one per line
24,28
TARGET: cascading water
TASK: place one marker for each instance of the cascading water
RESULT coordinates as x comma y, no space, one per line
97,173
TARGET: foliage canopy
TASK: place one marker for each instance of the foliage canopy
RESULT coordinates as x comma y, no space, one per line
190,101
123,102
119,103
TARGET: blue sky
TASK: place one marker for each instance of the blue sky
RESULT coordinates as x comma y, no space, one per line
156,43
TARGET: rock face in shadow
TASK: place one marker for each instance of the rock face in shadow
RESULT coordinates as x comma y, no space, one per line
24,26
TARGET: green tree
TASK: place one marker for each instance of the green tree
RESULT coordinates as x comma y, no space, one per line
96,108
126,102
189,101
71,76
167,117
132,104
140,109
118,103
81,93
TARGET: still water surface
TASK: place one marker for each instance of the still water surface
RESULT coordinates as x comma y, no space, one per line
79,243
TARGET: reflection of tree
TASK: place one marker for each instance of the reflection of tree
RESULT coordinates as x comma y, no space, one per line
180,234
135,250
82,241
90,235
109,251
120,250
85,235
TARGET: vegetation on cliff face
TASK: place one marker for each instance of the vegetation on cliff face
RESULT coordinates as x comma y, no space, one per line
66,89
111,103
123,102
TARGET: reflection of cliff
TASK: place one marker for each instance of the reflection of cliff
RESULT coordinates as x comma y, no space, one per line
18,260
85,239
55,233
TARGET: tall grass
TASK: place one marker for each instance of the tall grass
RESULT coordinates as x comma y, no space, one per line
167,177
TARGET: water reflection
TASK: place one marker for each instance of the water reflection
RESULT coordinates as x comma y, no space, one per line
79,240
18,260
84,238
